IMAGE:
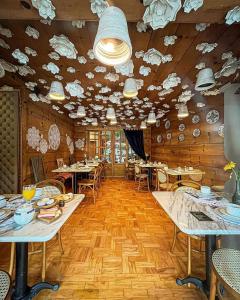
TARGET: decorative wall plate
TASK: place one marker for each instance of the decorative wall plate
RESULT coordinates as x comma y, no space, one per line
169,136
33,137
159,138
181,137
167,124
43,146
181,127
195,119
158,123
80,144
196,132
54,137
221,130
212,116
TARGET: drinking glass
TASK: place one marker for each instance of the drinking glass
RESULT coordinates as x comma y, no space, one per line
28,192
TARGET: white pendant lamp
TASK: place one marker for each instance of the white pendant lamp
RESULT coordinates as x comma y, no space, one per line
110,113
112,45
113,121
183,111
81,111
94,122
56,91
130,88
143,125
151,118
205,80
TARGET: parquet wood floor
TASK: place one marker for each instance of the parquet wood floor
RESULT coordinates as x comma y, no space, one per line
116,249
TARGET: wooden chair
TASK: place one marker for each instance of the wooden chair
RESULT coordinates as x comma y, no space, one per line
5,285
90,183
51,188
129,170
141,177
225,274
162,180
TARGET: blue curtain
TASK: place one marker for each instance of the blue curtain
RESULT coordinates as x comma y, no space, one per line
135,140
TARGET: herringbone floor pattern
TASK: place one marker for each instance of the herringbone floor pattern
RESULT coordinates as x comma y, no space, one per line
116,249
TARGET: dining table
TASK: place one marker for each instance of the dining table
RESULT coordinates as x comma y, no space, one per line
35,231
179,206
179,172
75,169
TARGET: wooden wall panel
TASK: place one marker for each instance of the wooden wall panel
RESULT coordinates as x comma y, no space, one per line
205,151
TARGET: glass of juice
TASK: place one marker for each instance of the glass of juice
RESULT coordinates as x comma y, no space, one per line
28,192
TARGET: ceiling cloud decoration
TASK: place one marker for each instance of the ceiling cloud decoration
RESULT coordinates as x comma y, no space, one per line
34,97
30,51
3,44
211,92
233,16
111,77
69,106
7,66
171,81
82,60
160,12
98,107
71,70
90,54
190,5
62,45
45,8
98,6
229,67
206,47
100,69
54,55
170,40
31,85
139,54
154,57
5,32
202,26
140,83
154,88
20,56
59,77
32,32
75,89
125,69
42,81
89,75
227,55
78,24
144,71
26,70
165,92
200,66
104,90
141,26
46,22
114,99
51,67
185,96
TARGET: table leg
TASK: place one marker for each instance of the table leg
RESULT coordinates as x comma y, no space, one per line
21,290
75,183
150,177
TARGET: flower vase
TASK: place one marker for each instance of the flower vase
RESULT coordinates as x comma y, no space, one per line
236,196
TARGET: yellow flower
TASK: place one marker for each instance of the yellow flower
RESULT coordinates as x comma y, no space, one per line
230,166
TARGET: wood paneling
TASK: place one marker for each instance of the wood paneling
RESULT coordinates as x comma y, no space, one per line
205,151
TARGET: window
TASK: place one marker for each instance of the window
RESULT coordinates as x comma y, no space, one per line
120,147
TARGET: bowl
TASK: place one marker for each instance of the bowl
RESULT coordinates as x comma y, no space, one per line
233,209
24,214
205,190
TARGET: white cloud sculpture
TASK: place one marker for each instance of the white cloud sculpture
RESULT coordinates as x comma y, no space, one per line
233,16
54,55
185,96
46,22
141,26
3,44
171,81
26,70
165,92
51,67
227,55
69,106
100,69
139,54
90,54
154,87
5,32
21,57
211,92
140,83
90,75
104,90
71,70
32,32
145,71
200,66
98,6
159,13
59,77
30,51
75,89
229,67
45,8
170,40
154,57
78,24
206,47
125,69
202,26
192,5
63,46
111,77
30,85
82,60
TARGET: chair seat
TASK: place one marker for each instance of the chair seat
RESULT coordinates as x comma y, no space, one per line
85,182
5,283
165,186
142,176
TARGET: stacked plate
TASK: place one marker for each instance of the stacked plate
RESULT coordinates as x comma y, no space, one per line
230,213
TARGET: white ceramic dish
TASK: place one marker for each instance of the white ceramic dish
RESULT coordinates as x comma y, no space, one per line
44,202
222,212
233,210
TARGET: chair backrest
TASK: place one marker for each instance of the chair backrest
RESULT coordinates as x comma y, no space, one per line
162,176
137,170
196,177
38,168
60,162
183,185
51,187
72,159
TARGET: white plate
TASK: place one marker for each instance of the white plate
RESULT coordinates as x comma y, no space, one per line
221,211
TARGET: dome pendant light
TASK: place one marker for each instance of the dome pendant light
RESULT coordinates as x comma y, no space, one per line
110,113
94,122
113,121
205,80
151,118
130,88
112,45
183,111
56,91
143,125
81,111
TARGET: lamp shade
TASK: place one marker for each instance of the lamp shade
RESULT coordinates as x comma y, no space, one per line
112,45
143,125
113,121
56,91
151,118
205,80
130,88
81,111
182,111
94,122
110,113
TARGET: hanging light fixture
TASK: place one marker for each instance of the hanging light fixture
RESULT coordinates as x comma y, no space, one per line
151,118
56,91
113,121
94,122
81,111
182,111
130,88
143,125
205,80
112,45
110,113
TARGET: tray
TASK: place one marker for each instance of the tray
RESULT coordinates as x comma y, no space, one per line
50,220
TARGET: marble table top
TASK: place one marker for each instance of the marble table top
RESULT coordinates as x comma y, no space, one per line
177,172
152,165
178,207
37,231
74,169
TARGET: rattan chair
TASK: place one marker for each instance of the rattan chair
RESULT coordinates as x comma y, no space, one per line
5,285
142,178
162,180
129,170
91,183
66,176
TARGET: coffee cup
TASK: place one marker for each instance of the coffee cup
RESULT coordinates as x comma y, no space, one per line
205,190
